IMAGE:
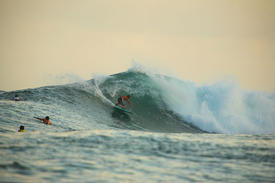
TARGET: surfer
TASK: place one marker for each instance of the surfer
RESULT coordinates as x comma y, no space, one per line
45,120
123,98
17,98
21,129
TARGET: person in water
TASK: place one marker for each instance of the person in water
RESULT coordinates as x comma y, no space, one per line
45,120
21,129
123,98
17,98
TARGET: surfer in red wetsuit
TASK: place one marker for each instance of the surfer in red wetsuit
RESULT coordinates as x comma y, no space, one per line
123,98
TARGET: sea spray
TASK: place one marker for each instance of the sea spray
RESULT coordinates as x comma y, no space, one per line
222,107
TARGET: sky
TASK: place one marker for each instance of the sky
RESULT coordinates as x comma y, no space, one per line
204,41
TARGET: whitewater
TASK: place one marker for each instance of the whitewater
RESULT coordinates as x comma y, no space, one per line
177,132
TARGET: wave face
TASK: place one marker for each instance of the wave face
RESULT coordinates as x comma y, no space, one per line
160,104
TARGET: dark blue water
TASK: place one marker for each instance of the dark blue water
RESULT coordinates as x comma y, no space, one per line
177,132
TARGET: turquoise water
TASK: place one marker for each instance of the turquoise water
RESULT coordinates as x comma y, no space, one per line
177,132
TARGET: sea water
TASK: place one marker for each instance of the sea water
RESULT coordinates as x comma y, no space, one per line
177,132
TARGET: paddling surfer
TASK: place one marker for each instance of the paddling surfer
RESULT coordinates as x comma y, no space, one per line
17,98
21,129
45,120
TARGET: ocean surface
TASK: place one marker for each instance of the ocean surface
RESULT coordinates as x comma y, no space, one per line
177,132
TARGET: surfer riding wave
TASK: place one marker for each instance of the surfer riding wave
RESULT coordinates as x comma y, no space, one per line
121,99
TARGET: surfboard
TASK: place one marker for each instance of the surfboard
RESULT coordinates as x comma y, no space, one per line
121,109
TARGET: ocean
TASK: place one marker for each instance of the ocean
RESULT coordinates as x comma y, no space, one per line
176,132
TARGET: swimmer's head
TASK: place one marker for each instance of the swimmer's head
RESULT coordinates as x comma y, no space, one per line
21,127
47,118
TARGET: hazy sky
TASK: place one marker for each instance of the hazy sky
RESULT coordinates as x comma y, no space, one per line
199,40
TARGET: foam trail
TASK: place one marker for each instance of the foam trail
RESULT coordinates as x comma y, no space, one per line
99,79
